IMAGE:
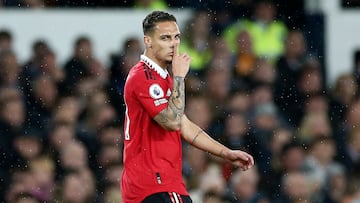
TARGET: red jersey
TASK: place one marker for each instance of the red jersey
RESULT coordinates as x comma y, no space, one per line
152,155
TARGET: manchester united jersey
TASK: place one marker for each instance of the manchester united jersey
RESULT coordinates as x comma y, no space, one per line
152,155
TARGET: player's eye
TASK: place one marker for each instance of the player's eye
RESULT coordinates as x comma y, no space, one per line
165,38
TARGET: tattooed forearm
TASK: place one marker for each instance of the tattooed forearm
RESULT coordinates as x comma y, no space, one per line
170,117
178,95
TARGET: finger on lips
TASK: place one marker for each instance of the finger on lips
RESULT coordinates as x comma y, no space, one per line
176,49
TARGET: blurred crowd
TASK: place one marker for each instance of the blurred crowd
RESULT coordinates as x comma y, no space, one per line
254,85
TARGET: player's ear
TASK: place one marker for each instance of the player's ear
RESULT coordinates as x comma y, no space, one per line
147,41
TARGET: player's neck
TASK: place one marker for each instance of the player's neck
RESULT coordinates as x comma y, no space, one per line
162,64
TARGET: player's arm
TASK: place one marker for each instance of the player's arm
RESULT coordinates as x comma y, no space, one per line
170,117
197,137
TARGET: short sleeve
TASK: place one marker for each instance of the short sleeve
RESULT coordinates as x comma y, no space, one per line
153,96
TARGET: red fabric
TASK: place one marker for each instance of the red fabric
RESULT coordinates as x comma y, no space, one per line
152,155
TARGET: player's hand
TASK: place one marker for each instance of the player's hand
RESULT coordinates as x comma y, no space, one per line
239,158
180,63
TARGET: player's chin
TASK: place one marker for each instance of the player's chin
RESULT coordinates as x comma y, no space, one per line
169,59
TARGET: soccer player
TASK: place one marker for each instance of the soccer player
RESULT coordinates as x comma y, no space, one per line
155,123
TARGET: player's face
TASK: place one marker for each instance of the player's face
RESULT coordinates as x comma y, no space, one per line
162,42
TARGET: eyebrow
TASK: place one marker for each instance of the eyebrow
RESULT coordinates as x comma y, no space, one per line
170,35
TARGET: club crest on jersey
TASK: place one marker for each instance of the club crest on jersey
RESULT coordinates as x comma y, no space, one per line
155,91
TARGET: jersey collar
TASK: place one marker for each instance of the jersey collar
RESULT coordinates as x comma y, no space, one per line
150,63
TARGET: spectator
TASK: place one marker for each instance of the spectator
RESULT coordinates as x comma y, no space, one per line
112,195
73,157
195,164
343,134
292,158
265,120
111,134
43,171
12,110
261,94
317,103
280,137
244,187
236,131
237,135
10,69
218,84
68,110
199,110
21,184
245,57
352,192
196,41
211,181
43,61
239,101
60,134
111,175
341,96
318,163
219,49
109,155
27,145
78,186
309,82
97,72
314,125
266,32
119,68
6,40
351,154
12,120
41,102
336,184
294,187
97,116
264,72
75,68
287,70
128,56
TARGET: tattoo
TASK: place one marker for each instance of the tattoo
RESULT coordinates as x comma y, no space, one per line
176,105
178,87
197,134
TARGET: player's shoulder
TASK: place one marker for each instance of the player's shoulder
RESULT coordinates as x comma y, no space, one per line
141,72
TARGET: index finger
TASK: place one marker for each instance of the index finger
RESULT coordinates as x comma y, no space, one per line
247,157
176,49
250,160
